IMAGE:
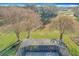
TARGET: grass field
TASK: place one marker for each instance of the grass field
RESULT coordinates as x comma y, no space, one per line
7,39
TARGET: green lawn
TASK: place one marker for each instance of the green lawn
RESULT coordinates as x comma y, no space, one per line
9,38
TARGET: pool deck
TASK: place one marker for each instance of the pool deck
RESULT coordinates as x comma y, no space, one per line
45,47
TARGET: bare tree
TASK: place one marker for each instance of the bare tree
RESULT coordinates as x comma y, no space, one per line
31,22
14,16
63,23
21,19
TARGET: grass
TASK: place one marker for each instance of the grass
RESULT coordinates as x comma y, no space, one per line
6,40
72,46
10,38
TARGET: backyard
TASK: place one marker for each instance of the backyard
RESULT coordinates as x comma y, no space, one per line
27,21
10,39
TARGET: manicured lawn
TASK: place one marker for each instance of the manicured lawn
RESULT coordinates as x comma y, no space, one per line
73,47
10,38
6,40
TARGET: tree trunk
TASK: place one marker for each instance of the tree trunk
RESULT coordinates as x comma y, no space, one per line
18,38
28,34
61,36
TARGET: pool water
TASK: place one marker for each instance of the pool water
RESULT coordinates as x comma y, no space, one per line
40,50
